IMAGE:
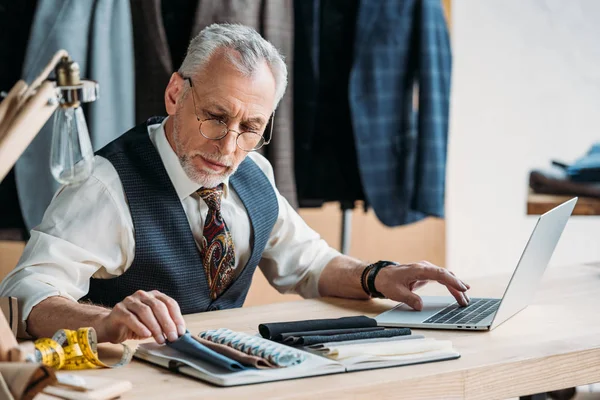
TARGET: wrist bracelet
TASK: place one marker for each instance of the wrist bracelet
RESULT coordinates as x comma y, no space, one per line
363,279
373,271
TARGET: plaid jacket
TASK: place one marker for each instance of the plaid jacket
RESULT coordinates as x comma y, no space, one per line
402,53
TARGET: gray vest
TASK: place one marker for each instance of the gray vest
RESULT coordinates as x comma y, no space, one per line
167,258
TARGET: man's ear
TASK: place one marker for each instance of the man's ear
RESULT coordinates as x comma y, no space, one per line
173,92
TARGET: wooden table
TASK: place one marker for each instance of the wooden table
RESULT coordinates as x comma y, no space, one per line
538,204
552,344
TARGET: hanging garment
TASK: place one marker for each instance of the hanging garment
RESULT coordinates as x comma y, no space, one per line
155,27
325,171
16,18
98,37
401,52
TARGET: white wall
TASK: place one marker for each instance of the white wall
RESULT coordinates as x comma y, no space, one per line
526,89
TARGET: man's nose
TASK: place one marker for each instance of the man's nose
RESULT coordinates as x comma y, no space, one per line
228,143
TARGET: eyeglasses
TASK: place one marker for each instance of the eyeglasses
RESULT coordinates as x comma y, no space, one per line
216,129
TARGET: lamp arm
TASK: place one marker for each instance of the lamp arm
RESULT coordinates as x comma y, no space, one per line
21,93
25,125
24,112
45,72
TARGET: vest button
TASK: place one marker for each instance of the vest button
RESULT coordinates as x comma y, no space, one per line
213,308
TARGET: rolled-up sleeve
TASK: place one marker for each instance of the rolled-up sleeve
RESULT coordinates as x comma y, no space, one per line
295,254
81,235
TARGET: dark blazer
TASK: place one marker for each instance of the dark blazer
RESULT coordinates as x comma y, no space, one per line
400,133
272,18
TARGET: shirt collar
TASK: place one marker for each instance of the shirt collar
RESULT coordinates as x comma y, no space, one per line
183,185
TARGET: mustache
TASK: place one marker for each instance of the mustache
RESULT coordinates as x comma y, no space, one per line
216,158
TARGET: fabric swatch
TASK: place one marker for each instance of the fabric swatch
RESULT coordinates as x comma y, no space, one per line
274,331
191,347
326,332
243,358
275,353
387,333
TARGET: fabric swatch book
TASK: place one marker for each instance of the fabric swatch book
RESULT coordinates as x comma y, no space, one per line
227,358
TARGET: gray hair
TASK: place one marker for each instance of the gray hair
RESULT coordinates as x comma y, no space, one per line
251,46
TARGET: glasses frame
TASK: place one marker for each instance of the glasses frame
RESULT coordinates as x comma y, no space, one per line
226,128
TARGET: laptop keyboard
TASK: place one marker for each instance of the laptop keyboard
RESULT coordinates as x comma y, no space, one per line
475,312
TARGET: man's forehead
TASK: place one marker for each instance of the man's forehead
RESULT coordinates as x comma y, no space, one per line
225,107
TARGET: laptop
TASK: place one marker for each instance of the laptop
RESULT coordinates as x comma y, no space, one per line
482,314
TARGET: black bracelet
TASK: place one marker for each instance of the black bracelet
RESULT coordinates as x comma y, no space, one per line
363,279
374,270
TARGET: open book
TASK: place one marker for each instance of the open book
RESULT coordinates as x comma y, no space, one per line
322,359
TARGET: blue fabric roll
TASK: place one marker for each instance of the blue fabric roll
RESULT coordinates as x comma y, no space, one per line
191,347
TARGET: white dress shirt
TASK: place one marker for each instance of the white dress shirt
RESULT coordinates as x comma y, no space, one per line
87,231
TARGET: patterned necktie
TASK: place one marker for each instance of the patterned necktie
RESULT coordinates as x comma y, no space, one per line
216,251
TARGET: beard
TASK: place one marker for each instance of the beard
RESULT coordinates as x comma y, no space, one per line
203,177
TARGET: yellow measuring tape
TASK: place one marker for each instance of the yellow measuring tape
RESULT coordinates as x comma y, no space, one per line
74,350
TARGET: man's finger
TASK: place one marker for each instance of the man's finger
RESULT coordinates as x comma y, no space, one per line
174,311
127,318
464,283
136,327
460,297
162,315
407,297
441,275
146,316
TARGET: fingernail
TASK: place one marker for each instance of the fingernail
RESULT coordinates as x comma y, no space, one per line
172,336
181,330
418,305
467,298
463,287
160,339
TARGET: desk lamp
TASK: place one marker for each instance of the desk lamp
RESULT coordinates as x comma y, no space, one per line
26,108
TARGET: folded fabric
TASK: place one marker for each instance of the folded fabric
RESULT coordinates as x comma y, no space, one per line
243,358
274,331
557,182
275,353
291,338
323,347
315,339
586,168
387,349
188,345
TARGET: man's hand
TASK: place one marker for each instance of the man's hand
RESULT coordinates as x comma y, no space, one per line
397,282
141,315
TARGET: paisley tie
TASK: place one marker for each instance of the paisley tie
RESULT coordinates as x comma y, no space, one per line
216,250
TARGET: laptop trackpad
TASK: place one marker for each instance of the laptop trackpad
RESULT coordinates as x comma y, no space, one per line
431,306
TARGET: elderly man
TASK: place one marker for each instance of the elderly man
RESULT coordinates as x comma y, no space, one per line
179,212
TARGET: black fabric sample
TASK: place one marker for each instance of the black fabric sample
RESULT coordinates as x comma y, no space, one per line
318,339
274,331
328,332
